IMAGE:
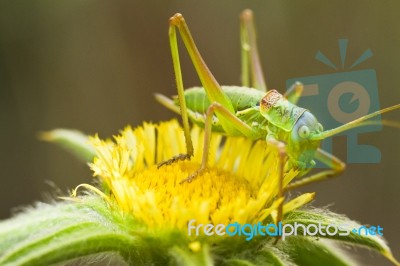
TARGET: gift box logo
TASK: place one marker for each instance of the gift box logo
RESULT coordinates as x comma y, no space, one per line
340,97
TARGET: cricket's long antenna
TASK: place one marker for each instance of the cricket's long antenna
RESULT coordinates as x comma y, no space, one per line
359,122
388,123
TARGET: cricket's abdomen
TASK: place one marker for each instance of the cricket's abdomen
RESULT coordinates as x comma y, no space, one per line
241,98
244,101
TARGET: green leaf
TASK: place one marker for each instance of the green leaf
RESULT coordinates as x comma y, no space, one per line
325,218
268,255
187,257
73,141
239,262
52,233
315,252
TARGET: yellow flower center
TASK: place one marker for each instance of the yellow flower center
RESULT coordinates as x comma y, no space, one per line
214,196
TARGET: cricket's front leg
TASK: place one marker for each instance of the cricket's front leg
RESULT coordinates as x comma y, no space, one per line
337,167
281,148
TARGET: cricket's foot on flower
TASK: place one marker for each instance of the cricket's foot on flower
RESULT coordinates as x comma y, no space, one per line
176,158
193,175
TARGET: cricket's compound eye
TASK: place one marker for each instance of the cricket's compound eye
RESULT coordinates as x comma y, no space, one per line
304,132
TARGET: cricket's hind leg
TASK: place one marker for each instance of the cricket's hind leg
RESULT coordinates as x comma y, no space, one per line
251,63
176,158
237,124
210,84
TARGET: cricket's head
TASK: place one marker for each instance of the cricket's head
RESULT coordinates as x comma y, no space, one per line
301,129
293,125
307,132
302,145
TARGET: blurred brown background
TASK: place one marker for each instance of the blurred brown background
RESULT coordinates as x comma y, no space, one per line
94,66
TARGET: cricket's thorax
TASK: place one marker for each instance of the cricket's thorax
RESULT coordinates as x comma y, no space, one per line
279,111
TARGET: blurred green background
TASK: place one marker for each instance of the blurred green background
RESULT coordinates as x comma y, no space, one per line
94,66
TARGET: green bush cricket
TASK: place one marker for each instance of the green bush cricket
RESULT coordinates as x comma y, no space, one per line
252,111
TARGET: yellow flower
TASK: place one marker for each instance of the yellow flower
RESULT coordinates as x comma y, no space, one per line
145,214
240,184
